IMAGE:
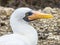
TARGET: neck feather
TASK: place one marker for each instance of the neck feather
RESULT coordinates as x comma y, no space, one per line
23,28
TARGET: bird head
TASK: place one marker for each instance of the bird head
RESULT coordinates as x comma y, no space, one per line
28,14
33,15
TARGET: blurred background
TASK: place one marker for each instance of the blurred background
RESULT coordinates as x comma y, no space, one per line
30,3
48,29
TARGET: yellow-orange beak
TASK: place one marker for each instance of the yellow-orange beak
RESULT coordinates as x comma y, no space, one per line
38,15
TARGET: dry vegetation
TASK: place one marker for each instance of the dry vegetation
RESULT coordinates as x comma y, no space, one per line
30,3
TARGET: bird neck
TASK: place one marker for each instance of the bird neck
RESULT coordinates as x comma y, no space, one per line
23,28
17,24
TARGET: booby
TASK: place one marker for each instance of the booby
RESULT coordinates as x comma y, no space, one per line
23,33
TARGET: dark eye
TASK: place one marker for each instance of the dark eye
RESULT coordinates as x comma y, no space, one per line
29,13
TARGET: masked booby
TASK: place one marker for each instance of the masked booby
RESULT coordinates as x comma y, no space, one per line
23,33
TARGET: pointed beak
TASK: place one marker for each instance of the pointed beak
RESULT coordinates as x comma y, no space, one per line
38,15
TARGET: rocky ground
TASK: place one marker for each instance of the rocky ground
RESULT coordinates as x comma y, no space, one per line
48,29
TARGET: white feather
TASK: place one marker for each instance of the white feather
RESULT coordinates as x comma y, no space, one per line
23,33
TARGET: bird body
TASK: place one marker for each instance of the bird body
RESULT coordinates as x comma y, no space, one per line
14,39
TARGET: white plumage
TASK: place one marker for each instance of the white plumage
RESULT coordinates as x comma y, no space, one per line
23,33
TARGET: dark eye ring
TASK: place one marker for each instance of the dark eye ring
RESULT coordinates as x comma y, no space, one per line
29,13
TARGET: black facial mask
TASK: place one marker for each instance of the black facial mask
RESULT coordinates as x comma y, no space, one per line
26,17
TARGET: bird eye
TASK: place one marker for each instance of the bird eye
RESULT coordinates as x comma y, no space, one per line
29,13
26,16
